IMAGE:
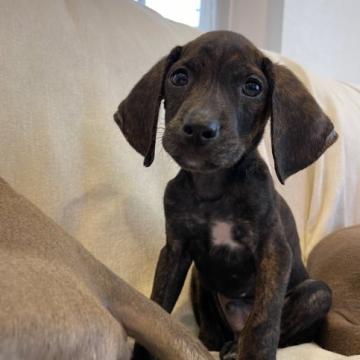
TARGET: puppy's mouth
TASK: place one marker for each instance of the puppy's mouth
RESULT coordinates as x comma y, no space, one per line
200,163
196,164
202,158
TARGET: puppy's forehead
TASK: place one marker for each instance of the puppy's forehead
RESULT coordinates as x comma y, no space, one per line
222,46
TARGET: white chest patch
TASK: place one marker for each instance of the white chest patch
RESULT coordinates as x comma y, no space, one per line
221,234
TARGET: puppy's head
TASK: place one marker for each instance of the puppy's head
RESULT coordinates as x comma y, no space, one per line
218,92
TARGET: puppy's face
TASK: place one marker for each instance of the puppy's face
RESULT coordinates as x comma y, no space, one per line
219,90
216,100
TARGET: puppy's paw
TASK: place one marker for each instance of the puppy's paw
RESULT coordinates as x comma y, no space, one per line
229,351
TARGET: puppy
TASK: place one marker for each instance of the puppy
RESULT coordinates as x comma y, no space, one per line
250,290
57,302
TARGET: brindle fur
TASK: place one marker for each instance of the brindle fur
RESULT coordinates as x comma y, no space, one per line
226,180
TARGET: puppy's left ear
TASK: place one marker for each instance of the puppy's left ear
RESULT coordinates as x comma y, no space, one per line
300,130
137,115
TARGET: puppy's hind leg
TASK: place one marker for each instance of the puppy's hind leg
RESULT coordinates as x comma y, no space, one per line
304,310
213,332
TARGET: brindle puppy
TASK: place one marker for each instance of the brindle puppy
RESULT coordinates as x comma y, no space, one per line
250,289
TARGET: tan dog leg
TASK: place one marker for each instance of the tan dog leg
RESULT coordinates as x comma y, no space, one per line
336,260
58,302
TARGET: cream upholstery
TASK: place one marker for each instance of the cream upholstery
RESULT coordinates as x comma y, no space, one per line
64,67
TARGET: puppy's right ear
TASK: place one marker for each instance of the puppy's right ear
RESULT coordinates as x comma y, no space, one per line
300,130
137,115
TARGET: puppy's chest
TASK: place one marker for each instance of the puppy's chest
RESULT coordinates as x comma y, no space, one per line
213,233
225,233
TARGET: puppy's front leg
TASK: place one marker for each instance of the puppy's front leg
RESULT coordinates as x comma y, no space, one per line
171,270
172,267
260,338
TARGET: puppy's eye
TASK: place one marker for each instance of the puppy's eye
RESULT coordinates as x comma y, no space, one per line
179,77
252,87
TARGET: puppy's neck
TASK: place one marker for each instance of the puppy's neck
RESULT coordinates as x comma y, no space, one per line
210,186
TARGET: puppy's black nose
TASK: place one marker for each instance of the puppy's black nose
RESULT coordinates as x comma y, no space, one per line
204,131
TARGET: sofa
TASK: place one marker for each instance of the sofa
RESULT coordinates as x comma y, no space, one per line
64,67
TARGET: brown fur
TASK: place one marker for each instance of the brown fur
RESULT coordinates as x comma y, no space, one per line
58,302
336,260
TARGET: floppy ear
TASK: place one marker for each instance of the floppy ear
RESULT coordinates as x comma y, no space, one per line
137,115
300,130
